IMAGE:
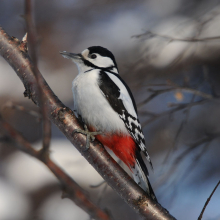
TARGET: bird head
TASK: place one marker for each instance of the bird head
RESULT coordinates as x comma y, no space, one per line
95,57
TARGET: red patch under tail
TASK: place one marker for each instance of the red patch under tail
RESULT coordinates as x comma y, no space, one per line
124,147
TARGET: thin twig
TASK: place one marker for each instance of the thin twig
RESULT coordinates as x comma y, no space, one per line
193,146
194,162
32,32
21,108
201,24
173,88
178,107
187,52
183,123
207,201
154,94
205,140
32,36
150,34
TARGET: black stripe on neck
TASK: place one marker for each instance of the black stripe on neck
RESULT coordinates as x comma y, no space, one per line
87,63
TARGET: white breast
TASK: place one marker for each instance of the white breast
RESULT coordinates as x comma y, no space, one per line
90,103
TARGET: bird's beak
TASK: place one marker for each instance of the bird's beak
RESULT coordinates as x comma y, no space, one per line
74,56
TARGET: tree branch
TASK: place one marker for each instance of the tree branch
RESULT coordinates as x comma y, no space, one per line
208,200
71,189
15,54
21,108
32,36
172,87
175,108
150,34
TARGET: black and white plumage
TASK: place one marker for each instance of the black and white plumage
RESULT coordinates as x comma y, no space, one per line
106,104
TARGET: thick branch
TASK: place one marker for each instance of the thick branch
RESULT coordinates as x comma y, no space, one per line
12,50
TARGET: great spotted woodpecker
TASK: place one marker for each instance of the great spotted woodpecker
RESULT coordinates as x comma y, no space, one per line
107,107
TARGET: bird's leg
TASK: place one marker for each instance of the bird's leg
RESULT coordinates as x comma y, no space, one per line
90,136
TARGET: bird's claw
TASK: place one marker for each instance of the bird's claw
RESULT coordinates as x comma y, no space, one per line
90,136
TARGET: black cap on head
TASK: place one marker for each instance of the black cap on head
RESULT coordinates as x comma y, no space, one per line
103,52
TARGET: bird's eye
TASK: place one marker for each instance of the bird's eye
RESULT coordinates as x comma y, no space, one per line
93,56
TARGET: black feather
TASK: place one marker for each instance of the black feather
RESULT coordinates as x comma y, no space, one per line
126,86
145,171
111,92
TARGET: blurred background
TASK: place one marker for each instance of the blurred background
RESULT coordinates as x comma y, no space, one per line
168,52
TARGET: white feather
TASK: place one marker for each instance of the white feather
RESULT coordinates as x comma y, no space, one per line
90,103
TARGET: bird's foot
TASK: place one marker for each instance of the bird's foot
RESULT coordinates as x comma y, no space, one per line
90,136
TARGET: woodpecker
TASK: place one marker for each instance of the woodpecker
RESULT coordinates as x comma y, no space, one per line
106,105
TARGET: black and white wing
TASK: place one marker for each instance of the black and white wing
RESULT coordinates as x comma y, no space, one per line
121,100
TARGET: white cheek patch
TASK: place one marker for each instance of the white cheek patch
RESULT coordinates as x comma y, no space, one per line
102,61
85,54
99,61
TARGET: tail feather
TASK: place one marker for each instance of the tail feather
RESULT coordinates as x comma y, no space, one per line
140,174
